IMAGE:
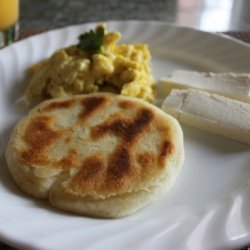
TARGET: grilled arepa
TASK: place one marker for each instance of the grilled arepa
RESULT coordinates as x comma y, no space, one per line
102,155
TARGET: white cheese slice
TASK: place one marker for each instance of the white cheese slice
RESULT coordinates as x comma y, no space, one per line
236,86
210,112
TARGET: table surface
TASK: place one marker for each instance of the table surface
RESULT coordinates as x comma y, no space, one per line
208,15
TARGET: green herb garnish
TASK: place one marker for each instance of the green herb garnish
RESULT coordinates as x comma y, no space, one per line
92,41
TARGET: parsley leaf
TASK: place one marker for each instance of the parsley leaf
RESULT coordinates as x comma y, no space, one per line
92,41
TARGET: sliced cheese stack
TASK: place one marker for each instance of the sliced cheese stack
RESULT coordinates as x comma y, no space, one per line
215,102
210,112
236,86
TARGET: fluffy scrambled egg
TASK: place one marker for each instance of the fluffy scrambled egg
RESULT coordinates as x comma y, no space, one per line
122,69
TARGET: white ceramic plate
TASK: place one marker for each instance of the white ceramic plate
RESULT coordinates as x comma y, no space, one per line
209,206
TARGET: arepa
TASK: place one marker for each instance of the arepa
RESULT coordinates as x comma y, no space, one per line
101,154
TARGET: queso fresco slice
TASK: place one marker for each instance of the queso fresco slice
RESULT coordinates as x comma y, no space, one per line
233,85
210,112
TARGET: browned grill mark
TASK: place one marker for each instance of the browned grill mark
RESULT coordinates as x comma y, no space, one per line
90,175
119,167
120,163
59,105
70,160
91,105
125,104
145,159
129,131
166,149
68,139
39,136
145,117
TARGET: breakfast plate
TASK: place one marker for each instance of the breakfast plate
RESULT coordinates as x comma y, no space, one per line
208,208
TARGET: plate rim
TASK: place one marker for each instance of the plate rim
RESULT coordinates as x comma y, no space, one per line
130,22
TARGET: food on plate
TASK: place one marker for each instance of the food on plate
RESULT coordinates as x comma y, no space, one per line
97,63
233,85
98,154
211,112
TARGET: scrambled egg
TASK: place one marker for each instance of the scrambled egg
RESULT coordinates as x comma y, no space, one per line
122,69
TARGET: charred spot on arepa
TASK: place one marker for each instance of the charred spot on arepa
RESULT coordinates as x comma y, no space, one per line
120,168
140,124
39,135
145,159
127,129
147,162
91,105
90,175
125,104
70,160
166,149
59,105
